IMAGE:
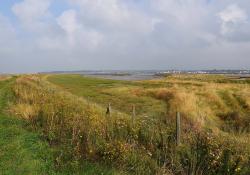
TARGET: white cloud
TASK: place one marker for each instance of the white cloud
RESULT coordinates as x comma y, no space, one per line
115,34
114,15
32,13
183,23
68,21
7,35
30,10
108,10
76,34
231,18
233,13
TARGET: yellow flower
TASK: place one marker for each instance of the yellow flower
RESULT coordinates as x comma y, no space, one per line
237,169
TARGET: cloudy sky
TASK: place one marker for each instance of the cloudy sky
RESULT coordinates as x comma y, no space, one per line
46,35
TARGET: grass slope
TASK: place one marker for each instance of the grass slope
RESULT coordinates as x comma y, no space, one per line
21,151
24,152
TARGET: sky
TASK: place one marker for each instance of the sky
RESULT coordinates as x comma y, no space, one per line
52,35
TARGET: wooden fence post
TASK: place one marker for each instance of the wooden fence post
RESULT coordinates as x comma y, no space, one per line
178,128
108,112
133,113
109,123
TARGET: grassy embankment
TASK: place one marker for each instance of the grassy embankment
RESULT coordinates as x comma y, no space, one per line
23,150
214,111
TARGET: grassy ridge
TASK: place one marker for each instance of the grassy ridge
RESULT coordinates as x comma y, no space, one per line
21,151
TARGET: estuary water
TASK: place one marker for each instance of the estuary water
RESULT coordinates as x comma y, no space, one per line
124,75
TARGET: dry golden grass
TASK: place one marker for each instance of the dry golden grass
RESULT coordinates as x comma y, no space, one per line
77,124
4,77
201,98
25,111
147,142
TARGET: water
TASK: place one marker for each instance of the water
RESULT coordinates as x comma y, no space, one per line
153,74
123,75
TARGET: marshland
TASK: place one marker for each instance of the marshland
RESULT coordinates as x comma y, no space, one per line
59,124
124,87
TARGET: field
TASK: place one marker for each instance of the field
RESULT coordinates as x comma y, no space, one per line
204,98
62,127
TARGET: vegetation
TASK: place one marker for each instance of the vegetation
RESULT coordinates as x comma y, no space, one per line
206,99
4,77
21,151
70,113
121,94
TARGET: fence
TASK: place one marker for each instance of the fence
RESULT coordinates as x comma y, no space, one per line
178,122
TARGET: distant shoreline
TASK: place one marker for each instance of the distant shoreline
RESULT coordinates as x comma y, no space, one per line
129,72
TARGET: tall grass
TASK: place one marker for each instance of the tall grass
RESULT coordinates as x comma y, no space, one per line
82,131
4,77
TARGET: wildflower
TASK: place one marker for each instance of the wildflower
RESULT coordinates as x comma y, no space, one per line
238,169
149,153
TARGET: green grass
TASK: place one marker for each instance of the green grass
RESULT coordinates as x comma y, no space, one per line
194,95
24,152
120,94
212,112
21,151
